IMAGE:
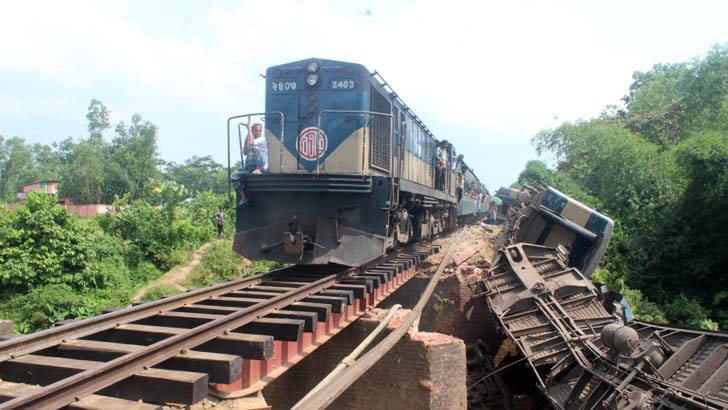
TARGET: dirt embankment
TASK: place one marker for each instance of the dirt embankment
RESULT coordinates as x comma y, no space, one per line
177,275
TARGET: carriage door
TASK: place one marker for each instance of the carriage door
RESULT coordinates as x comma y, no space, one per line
448,171
396,168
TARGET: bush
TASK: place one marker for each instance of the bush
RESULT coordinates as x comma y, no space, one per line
688,312
221,264
154,235
41,243
72,267
158,292
44,306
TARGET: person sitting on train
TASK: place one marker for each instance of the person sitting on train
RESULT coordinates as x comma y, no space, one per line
441,165
256,150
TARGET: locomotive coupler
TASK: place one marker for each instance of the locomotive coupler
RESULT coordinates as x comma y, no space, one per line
293,243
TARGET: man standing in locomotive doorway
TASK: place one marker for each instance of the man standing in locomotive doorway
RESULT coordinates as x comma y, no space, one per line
441,165
256,150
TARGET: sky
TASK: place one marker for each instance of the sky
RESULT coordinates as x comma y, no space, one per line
486,75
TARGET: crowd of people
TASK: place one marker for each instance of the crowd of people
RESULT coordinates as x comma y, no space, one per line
446,159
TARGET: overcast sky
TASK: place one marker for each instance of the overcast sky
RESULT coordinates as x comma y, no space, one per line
485,75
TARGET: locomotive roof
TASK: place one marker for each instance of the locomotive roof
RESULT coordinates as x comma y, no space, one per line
380,81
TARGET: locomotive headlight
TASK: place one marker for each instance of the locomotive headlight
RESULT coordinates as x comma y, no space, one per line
312,79
312,67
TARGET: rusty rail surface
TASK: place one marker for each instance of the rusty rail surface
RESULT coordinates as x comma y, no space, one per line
145,352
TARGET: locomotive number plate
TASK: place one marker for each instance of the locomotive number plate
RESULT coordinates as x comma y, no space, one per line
283,86
342,84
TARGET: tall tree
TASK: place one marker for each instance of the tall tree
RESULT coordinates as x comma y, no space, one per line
135,150
16,165
197,174
98,120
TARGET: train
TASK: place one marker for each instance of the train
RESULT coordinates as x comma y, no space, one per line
580,341
350,174
542,215
584,354
473,201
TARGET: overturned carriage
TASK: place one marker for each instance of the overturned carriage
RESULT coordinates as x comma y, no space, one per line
578,339
583,354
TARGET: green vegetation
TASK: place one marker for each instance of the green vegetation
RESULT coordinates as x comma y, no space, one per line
159,292
55,265
659,168
221,264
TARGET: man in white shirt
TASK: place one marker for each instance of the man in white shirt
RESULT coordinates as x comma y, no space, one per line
256,150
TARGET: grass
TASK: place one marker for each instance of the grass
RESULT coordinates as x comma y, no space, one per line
221,264
158,292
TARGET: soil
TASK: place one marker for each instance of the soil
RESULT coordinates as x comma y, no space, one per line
177,275
480,236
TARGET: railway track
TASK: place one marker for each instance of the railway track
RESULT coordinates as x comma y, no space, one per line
228,339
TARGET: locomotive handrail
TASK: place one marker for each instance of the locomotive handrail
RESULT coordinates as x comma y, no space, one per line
264,114
366,115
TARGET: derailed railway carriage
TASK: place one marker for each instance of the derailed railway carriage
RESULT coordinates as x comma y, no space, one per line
351,170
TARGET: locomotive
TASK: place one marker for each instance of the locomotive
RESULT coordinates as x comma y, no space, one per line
351,170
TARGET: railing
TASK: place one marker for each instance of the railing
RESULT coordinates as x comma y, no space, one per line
240,140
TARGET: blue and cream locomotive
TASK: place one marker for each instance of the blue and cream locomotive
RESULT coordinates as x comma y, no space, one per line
351,170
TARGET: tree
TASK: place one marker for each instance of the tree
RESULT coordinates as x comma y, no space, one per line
197,174
83,174
16,164
668,103
98,120
659,168
42,243
535,171
135,150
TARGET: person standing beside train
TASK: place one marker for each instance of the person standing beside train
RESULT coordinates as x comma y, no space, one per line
441,165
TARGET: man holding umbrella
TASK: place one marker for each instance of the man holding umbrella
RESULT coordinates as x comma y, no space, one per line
493,209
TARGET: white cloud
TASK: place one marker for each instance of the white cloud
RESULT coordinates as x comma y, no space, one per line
483,69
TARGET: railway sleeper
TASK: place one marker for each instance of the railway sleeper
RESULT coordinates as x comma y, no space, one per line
9,391
247,346
189,320
222,368
156,385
